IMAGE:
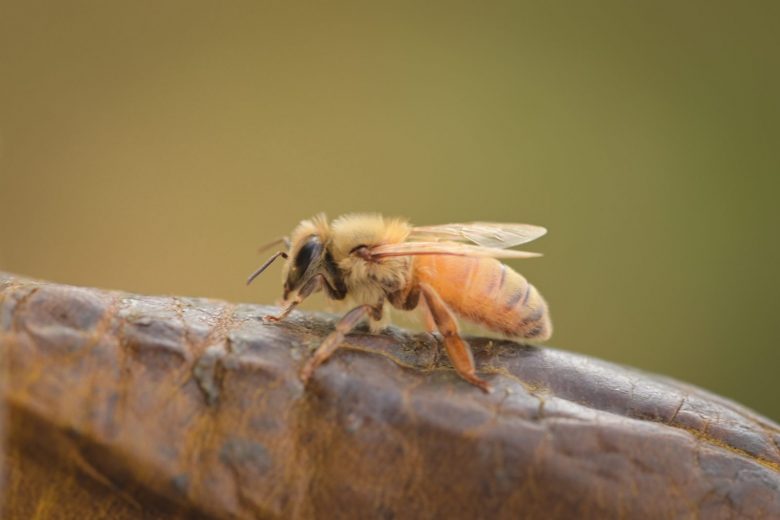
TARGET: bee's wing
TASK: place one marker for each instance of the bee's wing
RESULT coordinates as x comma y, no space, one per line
486,234
445,248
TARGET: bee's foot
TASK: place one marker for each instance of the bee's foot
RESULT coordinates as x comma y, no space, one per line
479,383
485,387
306,372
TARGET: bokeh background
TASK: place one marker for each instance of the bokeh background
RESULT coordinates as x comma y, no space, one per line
151,146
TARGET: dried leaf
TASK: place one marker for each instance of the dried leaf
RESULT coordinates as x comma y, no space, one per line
132,406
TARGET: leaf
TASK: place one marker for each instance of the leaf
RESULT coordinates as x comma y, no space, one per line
144,406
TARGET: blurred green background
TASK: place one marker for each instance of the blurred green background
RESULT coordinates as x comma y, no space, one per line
151,146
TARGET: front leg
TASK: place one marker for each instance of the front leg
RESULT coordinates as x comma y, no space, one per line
312,285
348,322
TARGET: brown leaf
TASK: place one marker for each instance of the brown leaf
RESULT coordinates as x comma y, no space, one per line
132,406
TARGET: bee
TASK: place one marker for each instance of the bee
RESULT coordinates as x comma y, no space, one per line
444,271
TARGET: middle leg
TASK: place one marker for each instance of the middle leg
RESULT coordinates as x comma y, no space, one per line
348,322
427,317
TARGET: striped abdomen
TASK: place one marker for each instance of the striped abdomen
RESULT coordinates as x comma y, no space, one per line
487,292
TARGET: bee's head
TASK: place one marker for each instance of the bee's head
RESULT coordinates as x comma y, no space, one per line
304,252
305,262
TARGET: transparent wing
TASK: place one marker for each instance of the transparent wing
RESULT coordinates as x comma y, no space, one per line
445,248
486,234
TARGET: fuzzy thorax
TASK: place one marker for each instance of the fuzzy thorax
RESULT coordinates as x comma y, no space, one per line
370,282
350,231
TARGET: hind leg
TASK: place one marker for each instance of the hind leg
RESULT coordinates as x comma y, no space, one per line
457,349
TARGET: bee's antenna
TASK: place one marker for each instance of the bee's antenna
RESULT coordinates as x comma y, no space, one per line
268,262
283,240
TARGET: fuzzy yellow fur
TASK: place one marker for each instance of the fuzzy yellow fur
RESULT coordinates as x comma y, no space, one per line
367,282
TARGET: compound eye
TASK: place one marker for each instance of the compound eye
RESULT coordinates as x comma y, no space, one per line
310,250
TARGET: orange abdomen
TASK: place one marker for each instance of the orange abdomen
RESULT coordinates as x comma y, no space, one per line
487,292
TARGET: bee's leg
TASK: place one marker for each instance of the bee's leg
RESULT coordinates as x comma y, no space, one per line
348,322
457,349
410,300
425,311
314,284
430,328
279,317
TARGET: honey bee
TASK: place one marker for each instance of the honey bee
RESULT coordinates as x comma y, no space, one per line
444,271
